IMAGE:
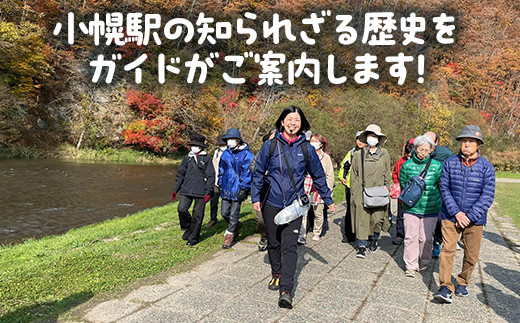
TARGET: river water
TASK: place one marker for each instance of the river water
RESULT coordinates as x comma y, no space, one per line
45,197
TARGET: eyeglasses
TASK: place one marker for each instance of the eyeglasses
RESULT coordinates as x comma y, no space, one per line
423,150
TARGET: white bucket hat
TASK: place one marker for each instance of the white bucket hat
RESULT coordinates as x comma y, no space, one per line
374,129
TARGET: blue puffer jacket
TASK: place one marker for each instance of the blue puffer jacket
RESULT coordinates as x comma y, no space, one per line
230,184
279,180
470,189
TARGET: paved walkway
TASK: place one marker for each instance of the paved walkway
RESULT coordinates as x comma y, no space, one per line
332,286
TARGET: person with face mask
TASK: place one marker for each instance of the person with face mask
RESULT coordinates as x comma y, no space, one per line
320,144
193,184
370,169
234,181
221,147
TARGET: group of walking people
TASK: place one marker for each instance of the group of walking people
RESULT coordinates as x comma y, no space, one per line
292,172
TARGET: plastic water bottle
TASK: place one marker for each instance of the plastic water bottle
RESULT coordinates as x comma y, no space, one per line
291,212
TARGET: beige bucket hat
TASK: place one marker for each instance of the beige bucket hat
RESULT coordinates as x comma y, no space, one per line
376,130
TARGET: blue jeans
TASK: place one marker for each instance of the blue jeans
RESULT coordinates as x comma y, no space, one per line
364,243
230,211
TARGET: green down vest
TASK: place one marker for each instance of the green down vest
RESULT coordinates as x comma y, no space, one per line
430,202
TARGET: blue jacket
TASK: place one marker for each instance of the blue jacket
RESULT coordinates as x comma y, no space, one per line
470,189
230,184
279,180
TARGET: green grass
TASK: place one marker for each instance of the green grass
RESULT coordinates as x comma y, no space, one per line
507,198
42,279
507,175
338,195
69,152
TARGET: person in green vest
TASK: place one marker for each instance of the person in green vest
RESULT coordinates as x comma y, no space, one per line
344,176
420,220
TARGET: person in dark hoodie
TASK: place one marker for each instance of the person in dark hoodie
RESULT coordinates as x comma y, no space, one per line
193,184
234,181
288,155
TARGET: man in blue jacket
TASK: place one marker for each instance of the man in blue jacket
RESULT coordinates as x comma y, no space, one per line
467,188
234,180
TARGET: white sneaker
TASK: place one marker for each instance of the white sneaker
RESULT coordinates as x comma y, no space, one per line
316,237
410,273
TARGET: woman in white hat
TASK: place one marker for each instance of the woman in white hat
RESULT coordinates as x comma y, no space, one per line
370,168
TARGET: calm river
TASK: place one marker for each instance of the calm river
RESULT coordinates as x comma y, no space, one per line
44,197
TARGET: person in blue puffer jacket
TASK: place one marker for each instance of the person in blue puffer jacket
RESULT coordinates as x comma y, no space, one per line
234,181
467,188
272,190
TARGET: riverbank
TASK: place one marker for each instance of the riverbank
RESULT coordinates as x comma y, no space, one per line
40,279
69,152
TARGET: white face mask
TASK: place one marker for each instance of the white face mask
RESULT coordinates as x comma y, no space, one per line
195,149
232,143
222,148
372,141
316,145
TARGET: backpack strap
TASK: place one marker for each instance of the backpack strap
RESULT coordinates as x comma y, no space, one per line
305,152
272,147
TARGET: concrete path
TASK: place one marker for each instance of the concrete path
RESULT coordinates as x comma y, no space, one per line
507,180
332,286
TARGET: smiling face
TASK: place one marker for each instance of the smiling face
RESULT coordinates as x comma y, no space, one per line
292,123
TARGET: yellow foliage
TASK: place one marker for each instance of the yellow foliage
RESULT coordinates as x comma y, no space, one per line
438,118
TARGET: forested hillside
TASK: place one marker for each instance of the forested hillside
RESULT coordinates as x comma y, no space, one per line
47,95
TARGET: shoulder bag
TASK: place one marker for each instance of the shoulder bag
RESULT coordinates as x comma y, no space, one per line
373,197
414,188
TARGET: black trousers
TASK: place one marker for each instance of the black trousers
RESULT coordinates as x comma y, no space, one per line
399,223
437,234
346,230
282,246
191,224
213,206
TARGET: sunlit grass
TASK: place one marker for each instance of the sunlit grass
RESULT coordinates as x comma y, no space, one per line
507,198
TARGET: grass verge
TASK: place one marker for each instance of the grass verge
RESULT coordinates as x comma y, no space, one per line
507,175
42,279
122,155
507,198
